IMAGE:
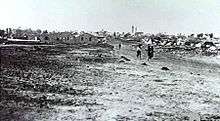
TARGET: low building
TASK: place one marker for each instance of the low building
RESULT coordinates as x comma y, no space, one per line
88,38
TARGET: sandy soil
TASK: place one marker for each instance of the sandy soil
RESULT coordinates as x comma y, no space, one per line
89,83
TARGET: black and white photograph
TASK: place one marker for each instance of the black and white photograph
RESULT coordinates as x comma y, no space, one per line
110,60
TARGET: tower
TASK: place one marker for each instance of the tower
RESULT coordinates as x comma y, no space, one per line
135,29
132,29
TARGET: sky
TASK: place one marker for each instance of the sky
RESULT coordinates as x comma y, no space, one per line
151,16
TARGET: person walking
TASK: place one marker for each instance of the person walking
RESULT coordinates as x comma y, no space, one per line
150,52
119,46
139,51
150,48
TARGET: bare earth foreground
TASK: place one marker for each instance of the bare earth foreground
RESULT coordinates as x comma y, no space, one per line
65,83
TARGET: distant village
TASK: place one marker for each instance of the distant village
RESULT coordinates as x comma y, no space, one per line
67,37
204,41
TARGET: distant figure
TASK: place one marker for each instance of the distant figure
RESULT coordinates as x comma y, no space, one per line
139,51
150,52
119,46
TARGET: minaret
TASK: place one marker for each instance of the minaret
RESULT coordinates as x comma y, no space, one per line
135,29
132,29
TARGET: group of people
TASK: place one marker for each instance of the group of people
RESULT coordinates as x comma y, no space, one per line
150,51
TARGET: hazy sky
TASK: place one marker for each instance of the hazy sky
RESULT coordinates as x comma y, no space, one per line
113,15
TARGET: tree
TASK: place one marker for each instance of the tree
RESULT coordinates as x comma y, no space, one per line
45,32
30,31
211,35
192,35
2,33
199,35
46,38
38,31
114,34
18,31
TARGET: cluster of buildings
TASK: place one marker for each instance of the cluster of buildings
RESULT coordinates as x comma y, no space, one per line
55,37
72,37
201,41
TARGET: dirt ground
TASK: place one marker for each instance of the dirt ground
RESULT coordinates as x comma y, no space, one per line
65,83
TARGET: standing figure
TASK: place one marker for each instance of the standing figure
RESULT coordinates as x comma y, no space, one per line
139,51
119,46
150,52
